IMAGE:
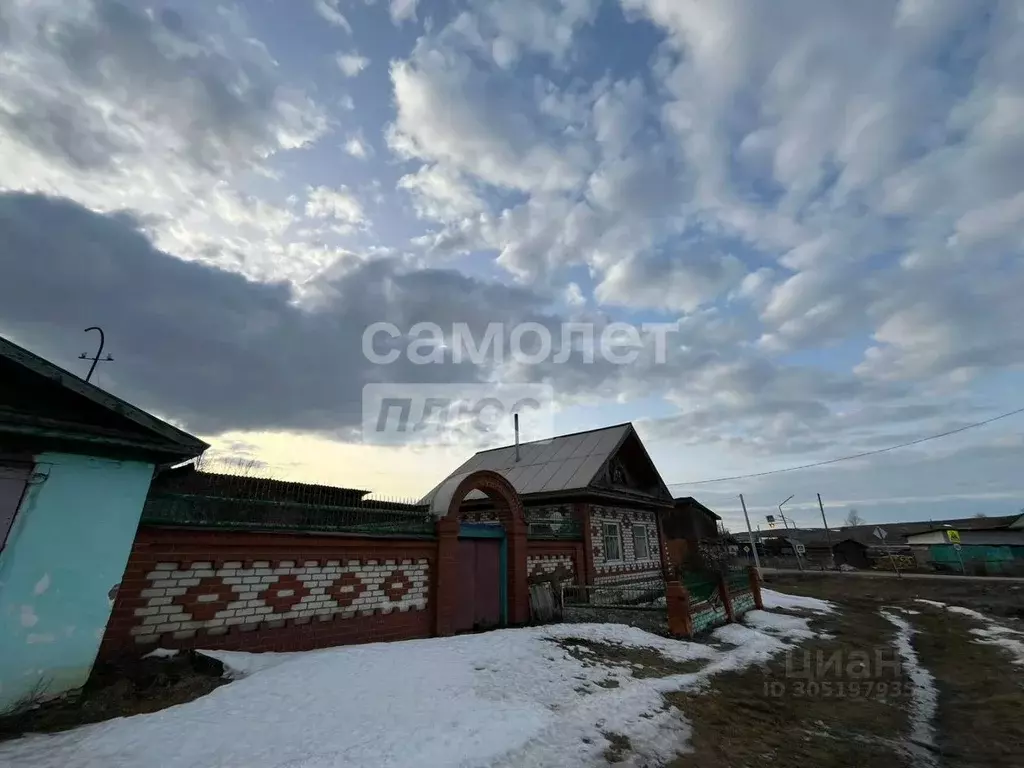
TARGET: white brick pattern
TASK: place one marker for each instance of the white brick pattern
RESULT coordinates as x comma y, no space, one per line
541,564
182,600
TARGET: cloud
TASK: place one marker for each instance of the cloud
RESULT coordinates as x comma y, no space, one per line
210,348
339,204
328,11
441,193
351,64
403,10
164,113
358,147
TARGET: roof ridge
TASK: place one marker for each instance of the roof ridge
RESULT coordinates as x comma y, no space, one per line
557,437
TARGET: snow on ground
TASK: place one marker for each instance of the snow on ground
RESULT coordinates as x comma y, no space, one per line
776,623
505,698
994,633
1009,639
772,599
924,698
932,603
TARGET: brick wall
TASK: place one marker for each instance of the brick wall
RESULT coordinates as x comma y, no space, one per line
629,569
268,591
545,556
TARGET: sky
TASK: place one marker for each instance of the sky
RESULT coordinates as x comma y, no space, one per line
824,198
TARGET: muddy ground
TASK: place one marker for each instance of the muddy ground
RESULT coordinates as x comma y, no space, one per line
795,713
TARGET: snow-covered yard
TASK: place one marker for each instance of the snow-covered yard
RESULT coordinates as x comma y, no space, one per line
507,698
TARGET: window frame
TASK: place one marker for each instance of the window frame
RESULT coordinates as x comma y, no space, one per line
646,540
605,526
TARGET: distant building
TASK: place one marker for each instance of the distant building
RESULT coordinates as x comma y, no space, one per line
996,549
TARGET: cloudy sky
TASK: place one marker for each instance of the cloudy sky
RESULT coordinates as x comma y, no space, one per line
826,196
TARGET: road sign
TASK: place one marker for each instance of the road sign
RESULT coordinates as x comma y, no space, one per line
880,533
954,536
957,547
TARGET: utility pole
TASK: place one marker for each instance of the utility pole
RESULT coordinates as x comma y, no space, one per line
98,357
828,534
799,562
750,534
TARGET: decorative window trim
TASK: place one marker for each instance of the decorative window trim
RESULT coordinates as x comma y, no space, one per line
606,534
645,538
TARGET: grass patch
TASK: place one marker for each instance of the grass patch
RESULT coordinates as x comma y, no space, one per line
981,694
797,711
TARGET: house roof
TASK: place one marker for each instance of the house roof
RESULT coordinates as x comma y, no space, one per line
897,532
155,435
561,464
689,501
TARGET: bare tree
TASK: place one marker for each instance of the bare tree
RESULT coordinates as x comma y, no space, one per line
981,515
853,518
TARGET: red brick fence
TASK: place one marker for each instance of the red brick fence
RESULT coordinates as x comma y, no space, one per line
266,591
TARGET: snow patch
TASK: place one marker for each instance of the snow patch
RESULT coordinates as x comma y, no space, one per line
28,616
968,612
924,697
506,698
994,633
162,653
772,599
1004,637
792,626
932,603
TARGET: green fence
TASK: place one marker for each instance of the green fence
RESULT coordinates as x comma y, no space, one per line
209,511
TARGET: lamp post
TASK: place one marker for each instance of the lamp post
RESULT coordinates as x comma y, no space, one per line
785,522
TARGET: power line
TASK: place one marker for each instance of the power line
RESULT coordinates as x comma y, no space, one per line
855,455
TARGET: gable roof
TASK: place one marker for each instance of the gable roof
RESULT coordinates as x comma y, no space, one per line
152,434
683,502
562,464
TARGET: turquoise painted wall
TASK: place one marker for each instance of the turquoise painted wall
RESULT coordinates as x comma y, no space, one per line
67,549
996,558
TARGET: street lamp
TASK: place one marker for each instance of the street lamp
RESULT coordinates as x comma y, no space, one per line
780,510
796,550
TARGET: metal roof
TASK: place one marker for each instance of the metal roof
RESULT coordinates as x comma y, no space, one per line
563,463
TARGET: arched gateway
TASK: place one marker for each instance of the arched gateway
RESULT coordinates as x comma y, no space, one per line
451,589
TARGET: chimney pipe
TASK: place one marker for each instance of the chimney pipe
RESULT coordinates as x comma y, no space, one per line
515,420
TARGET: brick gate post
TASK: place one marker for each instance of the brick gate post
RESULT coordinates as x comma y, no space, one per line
446,579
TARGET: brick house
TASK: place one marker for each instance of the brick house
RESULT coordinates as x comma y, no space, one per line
598,488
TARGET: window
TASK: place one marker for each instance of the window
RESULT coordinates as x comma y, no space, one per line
612,541
641,550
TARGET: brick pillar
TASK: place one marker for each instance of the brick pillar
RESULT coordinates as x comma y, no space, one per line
583,515
446,578
755,587
680,622
518,587
723,590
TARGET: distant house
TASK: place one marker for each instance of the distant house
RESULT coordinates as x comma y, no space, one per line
75,467
996,549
